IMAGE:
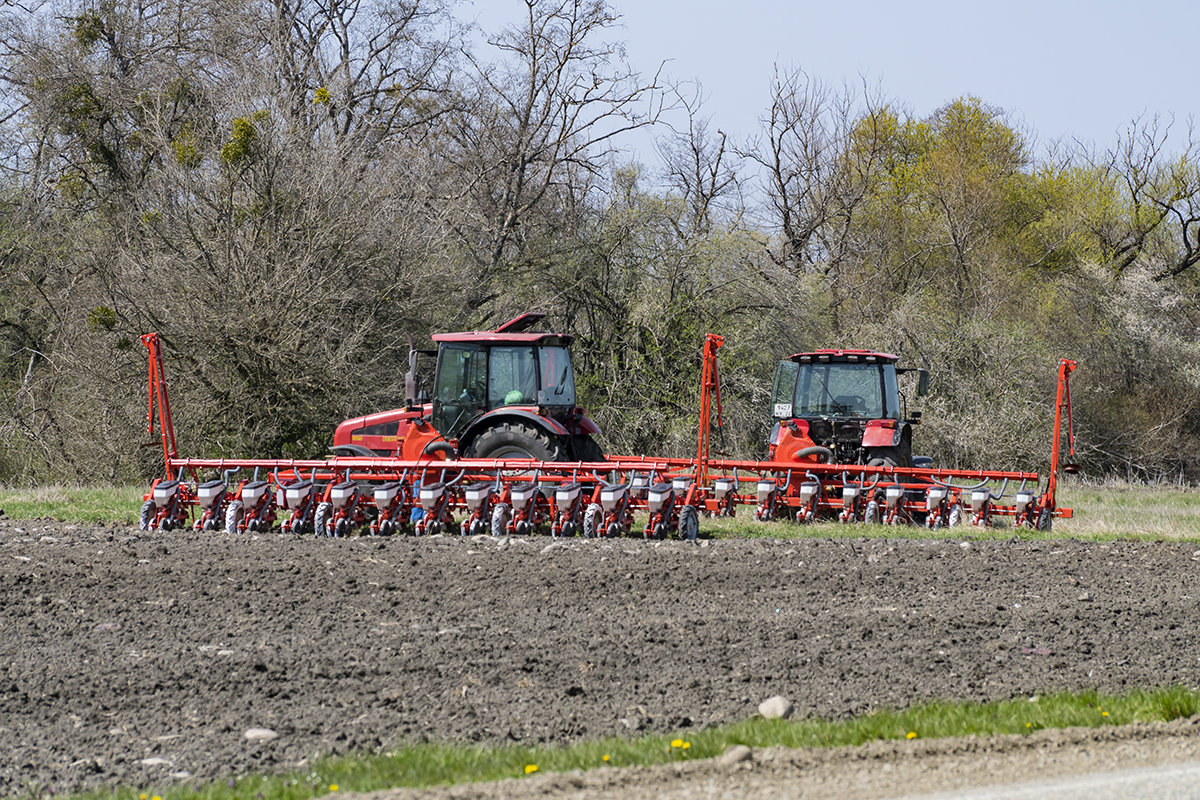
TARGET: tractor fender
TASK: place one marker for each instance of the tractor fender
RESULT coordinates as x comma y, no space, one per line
494,418
883,433
581,424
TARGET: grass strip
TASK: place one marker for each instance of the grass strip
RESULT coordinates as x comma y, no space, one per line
420,765
79,504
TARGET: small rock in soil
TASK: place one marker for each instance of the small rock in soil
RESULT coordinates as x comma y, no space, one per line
777,707
260,734
735,755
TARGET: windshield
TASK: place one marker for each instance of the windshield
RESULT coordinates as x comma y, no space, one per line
841,390
558,381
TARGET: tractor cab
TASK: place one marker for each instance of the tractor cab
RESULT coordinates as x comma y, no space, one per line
476,374
845,401
504,393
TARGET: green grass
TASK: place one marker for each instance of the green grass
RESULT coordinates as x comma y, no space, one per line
79,504
433,764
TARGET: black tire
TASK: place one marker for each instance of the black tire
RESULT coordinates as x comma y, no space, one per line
514,440
321,519
584,448
147,515
689,523
233,517
890,456
353,451
501,515
591,521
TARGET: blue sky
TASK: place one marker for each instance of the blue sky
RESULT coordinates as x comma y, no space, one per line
1063,69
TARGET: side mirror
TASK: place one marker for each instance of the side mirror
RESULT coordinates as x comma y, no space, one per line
410,377
922,382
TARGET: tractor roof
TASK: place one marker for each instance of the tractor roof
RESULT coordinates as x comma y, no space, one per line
515,331
844,356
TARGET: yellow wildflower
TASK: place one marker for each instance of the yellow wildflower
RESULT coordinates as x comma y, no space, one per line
530,768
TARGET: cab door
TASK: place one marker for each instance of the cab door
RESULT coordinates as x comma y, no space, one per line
460,387
784,390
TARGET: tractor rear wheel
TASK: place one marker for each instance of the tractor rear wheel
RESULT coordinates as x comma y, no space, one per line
891,456
514,440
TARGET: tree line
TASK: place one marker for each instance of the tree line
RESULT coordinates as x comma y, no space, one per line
290,192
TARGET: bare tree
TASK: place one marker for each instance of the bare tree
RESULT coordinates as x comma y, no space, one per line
700,166
550,108
361,70
822,154
1157,223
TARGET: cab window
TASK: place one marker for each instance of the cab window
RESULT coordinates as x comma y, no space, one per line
460,392
558,381
781,392
512,377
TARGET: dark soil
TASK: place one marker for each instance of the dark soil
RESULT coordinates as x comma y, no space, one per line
141,659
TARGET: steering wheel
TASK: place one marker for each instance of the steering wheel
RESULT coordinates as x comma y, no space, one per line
846,402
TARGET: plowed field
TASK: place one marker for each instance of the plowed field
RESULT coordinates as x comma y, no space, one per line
137,658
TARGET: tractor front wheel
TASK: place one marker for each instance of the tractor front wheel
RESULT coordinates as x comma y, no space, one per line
514,440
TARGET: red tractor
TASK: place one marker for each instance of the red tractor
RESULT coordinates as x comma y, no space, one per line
506,393
844,406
